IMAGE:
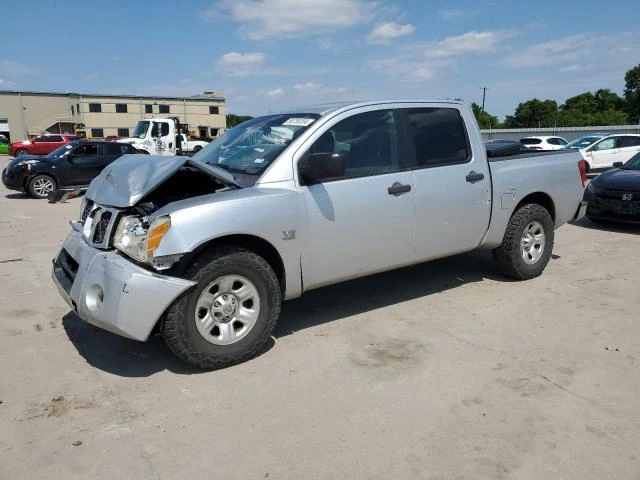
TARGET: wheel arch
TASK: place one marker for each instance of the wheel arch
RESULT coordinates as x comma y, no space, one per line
257,245
540,198
27,180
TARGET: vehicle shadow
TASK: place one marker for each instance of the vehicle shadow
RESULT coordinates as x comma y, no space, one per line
129,358
369,293
19,196
122,356
615,227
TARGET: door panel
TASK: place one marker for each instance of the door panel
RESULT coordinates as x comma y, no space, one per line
452,187
84,164
356,227
360,220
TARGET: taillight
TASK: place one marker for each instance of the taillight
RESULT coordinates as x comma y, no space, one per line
582,166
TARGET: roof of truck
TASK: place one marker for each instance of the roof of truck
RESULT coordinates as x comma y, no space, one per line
327,108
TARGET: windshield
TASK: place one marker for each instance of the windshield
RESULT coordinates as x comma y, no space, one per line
141,130
633,163
582,142
63,150
249,148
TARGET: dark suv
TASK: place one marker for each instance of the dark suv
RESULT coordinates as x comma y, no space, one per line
70,166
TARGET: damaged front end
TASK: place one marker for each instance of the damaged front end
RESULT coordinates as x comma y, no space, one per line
119,206
106,270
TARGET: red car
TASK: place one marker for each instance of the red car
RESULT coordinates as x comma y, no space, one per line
40,145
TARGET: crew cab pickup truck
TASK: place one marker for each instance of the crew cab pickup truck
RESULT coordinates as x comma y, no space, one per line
204,250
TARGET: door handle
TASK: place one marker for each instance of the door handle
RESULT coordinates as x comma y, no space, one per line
473,177
398,189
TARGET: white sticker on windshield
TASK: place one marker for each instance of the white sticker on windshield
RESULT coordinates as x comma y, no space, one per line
259,149
299,122
259,160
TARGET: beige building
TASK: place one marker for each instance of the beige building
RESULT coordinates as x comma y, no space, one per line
25,114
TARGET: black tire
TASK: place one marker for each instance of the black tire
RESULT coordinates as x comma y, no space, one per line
509,256
21,151
35,189
179,327
197,148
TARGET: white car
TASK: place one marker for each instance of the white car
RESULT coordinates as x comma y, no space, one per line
544,143
609,150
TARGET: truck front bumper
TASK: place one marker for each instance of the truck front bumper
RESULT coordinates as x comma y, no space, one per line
110,292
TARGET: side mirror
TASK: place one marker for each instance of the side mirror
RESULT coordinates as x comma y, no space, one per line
617,164
316,167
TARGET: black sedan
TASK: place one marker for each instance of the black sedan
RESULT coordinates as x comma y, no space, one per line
69,167
615,195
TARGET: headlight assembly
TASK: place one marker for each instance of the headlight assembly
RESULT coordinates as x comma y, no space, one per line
27,163
138,238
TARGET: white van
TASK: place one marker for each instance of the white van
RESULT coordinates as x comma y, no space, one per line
608,150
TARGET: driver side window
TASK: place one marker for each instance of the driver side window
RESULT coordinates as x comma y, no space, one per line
364,145
86,150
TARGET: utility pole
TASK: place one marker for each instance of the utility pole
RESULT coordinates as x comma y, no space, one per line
484,94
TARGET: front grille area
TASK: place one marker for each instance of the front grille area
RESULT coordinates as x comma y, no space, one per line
98,225
87,209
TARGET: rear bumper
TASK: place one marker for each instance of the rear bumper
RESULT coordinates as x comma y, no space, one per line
110,292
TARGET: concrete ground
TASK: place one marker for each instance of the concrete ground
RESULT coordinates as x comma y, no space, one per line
441,371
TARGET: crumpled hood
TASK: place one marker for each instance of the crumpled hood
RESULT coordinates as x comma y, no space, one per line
124,182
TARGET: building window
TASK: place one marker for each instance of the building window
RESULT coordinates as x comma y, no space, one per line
123,132
72,110
97,132
95,107
163,108
214,132
121,108
148,108
78,108
214,110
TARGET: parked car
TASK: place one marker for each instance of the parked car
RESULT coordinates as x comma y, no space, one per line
544,143
206,248
40,145
4,146
68,167
615,194
584,141
603,153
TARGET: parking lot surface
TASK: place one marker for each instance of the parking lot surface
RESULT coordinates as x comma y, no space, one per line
441,371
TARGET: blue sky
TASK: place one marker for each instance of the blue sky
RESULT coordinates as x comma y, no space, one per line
271,54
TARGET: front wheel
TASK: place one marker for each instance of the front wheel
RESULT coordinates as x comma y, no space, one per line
197,148
527,244
229,315
41,186
21,151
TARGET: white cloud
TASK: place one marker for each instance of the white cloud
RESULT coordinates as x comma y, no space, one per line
306,87
575,68
293,18
420,62
240,64
576,51
11,68
479,42
6,83
115,57
389,31
452,14
276,92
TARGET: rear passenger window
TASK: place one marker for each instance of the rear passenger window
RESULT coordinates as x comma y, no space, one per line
366,142
628,142
439,136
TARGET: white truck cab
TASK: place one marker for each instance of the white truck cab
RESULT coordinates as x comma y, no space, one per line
162,136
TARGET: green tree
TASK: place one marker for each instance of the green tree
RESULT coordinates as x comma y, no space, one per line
632,94
233,120
533,113
603,107
485,120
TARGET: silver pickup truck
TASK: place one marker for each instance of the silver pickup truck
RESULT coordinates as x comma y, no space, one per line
204,250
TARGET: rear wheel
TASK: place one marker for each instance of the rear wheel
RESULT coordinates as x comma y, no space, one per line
527,243
21,151
41,186
231,312
197,148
